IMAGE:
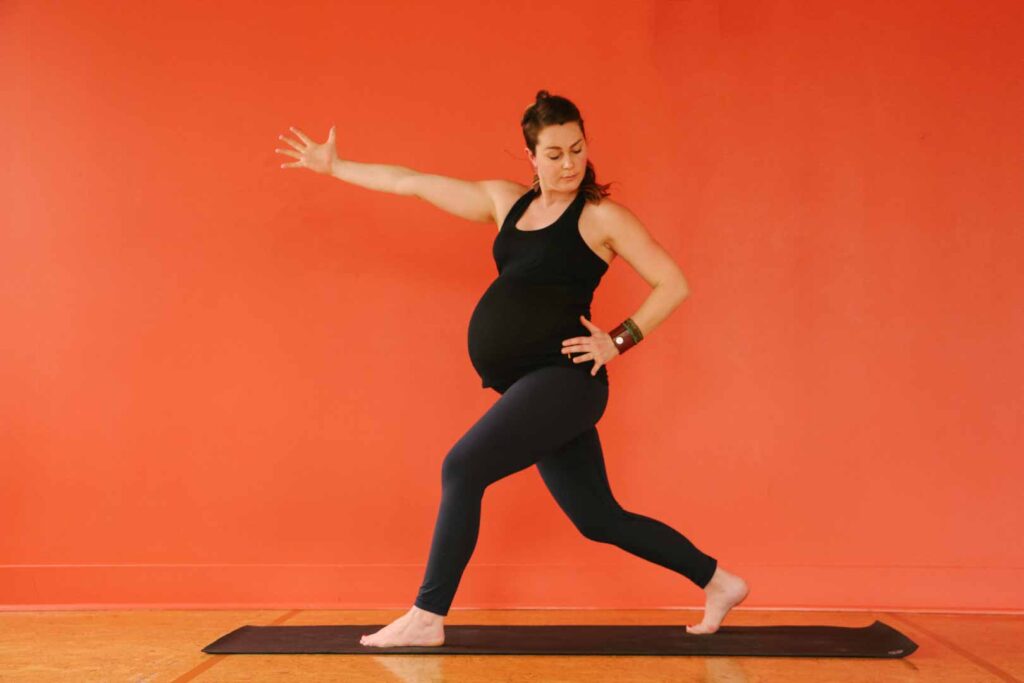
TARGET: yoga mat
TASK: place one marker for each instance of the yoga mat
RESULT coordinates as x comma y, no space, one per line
878,640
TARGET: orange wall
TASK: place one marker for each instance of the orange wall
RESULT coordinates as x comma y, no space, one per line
227,383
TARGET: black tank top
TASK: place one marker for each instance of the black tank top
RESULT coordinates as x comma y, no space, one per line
546,280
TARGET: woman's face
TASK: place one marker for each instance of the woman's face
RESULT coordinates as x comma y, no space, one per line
561,157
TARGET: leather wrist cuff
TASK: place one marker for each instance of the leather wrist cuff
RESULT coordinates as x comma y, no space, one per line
626,336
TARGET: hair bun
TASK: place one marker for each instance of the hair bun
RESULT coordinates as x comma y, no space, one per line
542,95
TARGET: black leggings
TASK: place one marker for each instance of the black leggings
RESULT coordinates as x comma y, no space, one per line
547,418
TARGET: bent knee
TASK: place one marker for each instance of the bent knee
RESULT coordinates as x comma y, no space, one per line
460,467
602,532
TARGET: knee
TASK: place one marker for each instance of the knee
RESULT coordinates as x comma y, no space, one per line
601,531
457,468
452,469
604,526
598,534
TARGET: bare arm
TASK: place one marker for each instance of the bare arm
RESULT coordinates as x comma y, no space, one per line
628,238
380,177
621,230
473,200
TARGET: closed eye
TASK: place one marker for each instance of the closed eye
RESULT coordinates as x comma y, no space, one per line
575,151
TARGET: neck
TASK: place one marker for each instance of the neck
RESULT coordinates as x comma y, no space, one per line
550,197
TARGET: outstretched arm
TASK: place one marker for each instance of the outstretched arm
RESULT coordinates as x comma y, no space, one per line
472,200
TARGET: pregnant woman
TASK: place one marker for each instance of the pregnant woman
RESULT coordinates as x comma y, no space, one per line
531,340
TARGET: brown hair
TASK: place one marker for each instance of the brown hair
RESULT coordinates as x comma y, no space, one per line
547,110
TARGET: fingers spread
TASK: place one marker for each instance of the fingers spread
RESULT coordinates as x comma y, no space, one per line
305,138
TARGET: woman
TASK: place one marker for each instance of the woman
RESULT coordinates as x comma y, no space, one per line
555,241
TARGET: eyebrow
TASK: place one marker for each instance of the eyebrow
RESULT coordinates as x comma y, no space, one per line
557,147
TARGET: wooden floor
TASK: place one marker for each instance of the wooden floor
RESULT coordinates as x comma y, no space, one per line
165,645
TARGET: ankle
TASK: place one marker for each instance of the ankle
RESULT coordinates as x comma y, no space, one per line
426,617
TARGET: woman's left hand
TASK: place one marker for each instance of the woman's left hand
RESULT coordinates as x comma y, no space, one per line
598,347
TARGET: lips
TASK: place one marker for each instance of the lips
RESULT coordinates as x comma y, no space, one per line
569,177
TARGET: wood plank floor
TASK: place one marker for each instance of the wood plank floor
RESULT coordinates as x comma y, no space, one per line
164,645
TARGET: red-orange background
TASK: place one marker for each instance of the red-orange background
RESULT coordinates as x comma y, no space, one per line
227,383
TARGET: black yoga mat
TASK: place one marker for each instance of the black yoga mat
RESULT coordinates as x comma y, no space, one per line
877,640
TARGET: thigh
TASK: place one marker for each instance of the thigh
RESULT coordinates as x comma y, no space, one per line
575,475
535,416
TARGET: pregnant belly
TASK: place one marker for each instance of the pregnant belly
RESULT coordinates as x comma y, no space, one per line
516,325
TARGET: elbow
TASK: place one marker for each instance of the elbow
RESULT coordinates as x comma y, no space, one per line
403,184
683,287
679,288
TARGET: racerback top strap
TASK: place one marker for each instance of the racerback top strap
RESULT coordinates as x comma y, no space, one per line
554,254
571,212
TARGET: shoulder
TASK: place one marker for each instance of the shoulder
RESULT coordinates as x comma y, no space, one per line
503,191
606,208
612,220
503,195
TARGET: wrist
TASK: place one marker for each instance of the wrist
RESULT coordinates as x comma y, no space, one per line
626,335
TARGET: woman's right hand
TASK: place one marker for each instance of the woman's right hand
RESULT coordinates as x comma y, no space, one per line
315,157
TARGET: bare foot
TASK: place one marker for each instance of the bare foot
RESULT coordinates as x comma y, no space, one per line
415,627
724,592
